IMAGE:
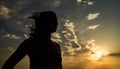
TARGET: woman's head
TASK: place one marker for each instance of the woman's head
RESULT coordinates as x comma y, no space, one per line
45,21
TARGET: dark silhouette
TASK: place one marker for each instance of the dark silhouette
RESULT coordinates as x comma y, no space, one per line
42,51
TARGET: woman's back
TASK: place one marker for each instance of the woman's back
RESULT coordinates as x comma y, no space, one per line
43,53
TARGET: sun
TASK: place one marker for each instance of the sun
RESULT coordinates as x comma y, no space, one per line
98,53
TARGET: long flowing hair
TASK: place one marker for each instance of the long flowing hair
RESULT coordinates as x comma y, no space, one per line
45,21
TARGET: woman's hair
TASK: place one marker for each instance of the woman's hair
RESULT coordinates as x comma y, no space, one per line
45,22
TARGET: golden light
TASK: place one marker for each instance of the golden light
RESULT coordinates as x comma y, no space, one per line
98,53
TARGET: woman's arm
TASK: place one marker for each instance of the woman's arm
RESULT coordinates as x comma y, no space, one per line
16,56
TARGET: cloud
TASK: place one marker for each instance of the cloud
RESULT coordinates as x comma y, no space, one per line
90,3
11,49
54,3
85,3
71,43
11,36
92,16
73,62
56,37
70,50
26,36
6,51
69,25
4,11
114,54
20,5
93,27
2,31
79,0
18,22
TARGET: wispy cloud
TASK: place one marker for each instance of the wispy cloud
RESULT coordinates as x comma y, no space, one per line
93,26
26,36
92,16
4,11
90,44
6,51
18,22
90,3
73,62
54,3
11,49
20,5
56,37
79,0
11,36
71,44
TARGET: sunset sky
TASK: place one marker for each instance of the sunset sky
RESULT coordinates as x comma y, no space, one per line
86,27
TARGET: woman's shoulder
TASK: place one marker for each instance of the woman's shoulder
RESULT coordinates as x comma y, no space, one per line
56,46
26,41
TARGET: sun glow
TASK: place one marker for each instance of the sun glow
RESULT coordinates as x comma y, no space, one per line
98,53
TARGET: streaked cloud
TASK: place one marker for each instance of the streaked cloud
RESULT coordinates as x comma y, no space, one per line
73,62
90,44
69,25
56,37
90,3
11,36
2,31
11,49
114,54
92,16
26,36
71,43
85,3
18,22
79,0
20,5
4,11
7,50
93,26
54,3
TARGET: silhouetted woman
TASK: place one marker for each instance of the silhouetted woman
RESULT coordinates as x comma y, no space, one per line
42,51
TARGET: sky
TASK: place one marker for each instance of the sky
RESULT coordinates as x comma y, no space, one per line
85,26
